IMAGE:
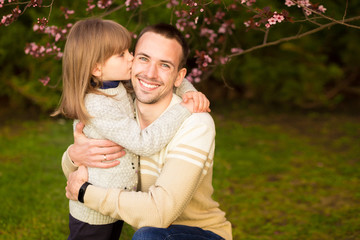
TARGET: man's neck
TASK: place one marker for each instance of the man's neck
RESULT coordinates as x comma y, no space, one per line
148,113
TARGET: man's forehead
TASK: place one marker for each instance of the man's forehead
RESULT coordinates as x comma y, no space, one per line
156,40
155,45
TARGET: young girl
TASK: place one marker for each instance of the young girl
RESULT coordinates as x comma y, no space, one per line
96,60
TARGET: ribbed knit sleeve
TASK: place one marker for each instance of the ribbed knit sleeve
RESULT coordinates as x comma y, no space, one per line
186,164
67,165
111,121
185,87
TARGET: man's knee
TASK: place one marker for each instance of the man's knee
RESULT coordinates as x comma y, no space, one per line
147,233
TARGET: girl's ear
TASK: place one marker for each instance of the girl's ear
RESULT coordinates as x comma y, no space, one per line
96,71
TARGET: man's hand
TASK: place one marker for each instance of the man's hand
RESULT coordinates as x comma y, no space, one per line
93,152
75,181
201,103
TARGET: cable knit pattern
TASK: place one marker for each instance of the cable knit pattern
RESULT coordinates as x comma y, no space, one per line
113,119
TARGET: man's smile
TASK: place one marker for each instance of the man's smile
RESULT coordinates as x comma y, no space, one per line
148,85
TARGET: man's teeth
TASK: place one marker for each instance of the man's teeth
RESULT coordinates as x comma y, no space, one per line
148,85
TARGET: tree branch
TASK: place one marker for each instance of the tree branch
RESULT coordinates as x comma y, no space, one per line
346,8
296,36
112,10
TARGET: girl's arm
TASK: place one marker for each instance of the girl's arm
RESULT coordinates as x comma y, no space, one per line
113,123
187,91
185,87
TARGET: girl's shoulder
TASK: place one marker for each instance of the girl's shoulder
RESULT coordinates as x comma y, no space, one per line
107,95
101,103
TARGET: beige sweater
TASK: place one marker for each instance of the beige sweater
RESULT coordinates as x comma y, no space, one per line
176,184
113,119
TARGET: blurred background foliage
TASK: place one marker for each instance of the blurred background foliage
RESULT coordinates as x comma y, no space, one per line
318,71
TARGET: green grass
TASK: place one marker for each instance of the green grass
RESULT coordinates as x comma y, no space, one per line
277,176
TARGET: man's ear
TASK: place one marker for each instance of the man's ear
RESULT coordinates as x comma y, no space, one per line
180,77
96,71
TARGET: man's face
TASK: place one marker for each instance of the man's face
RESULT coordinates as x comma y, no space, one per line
155,68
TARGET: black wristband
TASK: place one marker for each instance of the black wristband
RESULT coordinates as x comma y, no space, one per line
82,191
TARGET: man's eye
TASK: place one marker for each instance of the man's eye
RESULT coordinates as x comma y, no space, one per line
121,54
144,59
164,65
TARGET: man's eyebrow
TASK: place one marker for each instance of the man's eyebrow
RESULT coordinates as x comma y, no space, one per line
163,61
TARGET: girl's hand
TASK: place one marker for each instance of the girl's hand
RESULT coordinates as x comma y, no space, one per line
200,101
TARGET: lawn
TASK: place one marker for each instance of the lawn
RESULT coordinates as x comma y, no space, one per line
277,175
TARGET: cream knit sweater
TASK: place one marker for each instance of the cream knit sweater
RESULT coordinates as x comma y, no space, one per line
176,183
113,119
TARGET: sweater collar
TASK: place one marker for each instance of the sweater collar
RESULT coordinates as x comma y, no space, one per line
109,84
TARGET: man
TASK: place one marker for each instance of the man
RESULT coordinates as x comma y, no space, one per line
176,183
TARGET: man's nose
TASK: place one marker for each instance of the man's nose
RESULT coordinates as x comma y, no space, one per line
151,71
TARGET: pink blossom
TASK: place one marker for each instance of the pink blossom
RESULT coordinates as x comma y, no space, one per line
248,2
322,9
219,15
45,80
35,27
223,60
33,46
67,12
172,3
207,21
222,29
289,3
59,55
40,51
57,37
90,5
236,50
10,18
208,59
4,18
278,17
307,12
303,3
102,4
209,33
132,4
272,21
194,75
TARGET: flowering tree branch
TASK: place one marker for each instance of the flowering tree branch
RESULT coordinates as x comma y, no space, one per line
298,36
206,23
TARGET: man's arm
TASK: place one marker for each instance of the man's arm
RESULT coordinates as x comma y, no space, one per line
89,152
185,167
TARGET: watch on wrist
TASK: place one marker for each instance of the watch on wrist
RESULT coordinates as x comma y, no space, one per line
82,191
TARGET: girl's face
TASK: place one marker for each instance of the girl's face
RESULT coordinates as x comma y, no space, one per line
117,67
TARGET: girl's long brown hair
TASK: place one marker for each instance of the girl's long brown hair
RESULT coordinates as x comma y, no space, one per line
90,42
